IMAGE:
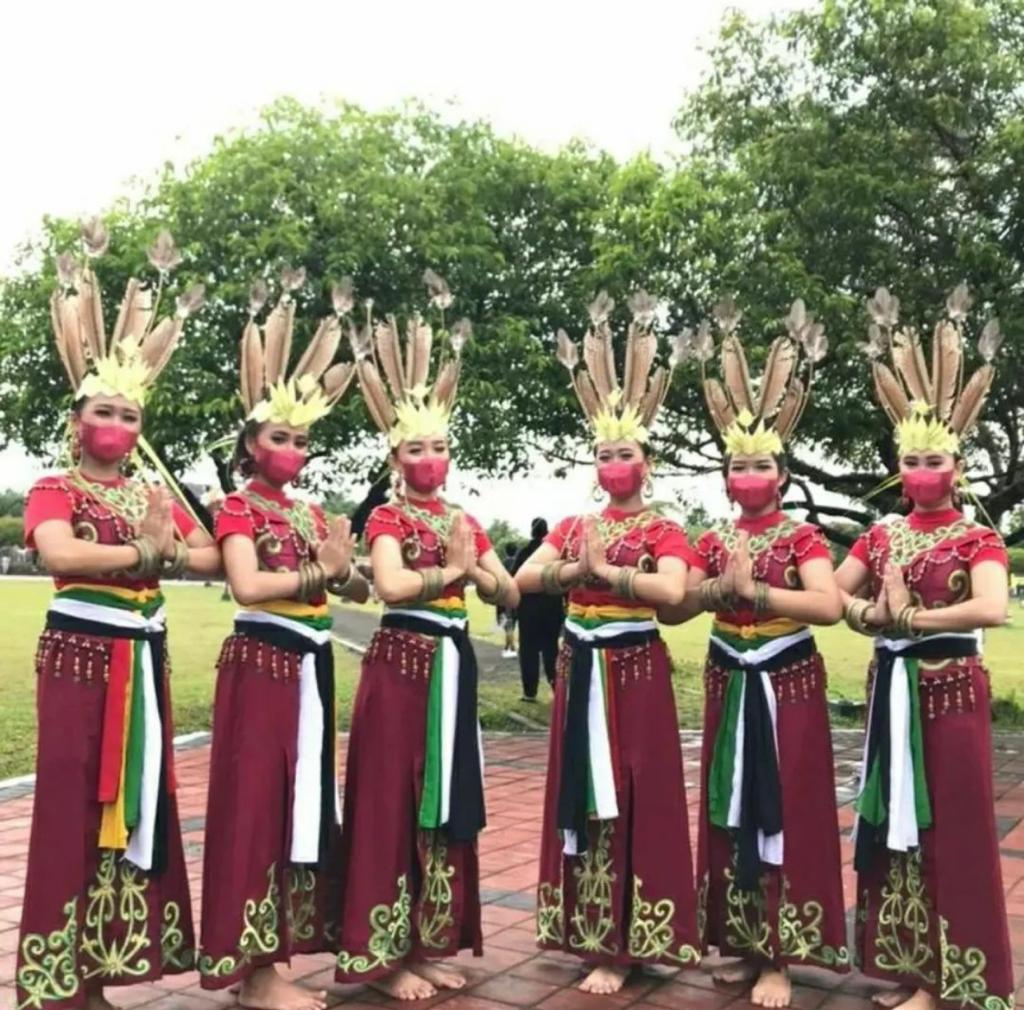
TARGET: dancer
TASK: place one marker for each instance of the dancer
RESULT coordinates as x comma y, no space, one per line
931,913
106,892
272,821
768,858
616,880
414,785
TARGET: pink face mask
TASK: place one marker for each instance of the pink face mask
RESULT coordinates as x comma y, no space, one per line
109,443
928,488
621,480
751,491
425,476
279,466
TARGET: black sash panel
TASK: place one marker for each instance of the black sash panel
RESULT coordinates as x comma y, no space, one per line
466,815
573,784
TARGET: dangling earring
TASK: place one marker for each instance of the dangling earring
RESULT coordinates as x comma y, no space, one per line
958,498
74,445
397,484
647,491
597,493
905,503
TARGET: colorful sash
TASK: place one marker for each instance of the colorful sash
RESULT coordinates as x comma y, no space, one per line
744,791
589,779
134,779
893,805
315,803
453,788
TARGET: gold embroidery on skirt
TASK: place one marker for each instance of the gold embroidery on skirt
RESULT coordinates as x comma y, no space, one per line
259,933
550,914
801,939
48,970
963,975
904,920
300,908
172,941
650,930
390,935
592,920
120,890
435,911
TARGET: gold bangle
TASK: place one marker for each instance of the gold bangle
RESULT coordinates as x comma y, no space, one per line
760,597
854,615
148,565
433,584
336,586
175,567
550,578
303,592
317,580
500,594
624,583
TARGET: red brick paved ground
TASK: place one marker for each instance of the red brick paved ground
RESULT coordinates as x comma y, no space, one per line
512,972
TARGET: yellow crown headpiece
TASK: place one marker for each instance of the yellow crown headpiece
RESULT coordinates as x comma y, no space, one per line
617,413
931,410
139,346
753,419
315,385
408,407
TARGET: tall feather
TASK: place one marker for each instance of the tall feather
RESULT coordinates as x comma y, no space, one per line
159,344
778,370
61,339
375,396
277,332
419,341
641,346
134,314
73,344
890,392
586,393
447,383
389,354
947,351
336,380
654,397
736,374
719,405
596,353
90,314
972,399
792,408
252,366
317,357
567,352
908,356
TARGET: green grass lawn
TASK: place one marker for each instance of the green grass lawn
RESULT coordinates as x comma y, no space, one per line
199,620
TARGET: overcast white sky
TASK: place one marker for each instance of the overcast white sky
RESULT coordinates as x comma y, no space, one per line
97,93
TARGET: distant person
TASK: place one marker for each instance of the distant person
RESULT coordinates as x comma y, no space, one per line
540,622
506,615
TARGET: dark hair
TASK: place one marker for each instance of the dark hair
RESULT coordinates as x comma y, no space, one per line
539,528
781,461
241,459
511,549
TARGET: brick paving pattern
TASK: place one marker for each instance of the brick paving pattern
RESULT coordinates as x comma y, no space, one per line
512,972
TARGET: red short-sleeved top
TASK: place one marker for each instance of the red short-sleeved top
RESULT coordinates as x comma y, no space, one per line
778,546
632,539
935,551
103,512
422,529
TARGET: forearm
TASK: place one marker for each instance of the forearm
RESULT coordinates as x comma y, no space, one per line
967,616
261,587
656,588
405,585
204,560
805,605
530,578
355,588
490,585
81,557
680,613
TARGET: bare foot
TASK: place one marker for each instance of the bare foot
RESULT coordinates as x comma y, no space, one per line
439,974
264,989
921,1000
889,998
404,984
605,979
735,971
772,988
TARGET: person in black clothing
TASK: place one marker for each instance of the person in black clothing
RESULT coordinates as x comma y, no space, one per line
540,622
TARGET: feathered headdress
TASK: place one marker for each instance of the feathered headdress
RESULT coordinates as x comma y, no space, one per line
408,408
617,412
315,385
137,350
758,418
931,410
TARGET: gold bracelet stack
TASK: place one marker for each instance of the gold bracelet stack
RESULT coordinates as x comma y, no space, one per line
312,581
905,622
338,586
174,568
855,614
433,584
550,578
624,582
761,597
150,562
501,590
713,597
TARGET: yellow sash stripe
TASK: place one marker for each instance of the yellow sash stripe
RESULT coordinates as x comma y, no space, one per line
141,596
610,612
113,832
290,608
775,628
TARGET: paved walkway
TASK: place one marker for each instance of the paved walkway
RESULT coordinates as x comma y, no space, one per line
512,973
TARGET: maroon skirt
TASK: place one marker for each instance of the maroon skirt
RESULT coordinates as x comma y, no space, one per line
406,894
797,915
935,918
629,898
91,918
258,908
